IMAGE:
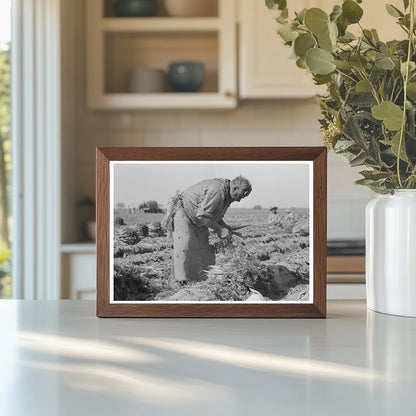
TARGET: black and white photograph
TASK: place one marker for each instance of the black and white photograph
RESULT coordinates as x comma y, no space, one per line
211,231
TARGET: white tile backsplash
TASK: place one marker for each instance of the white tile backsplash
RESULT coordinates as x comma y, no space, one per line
170,138
346,219
257,123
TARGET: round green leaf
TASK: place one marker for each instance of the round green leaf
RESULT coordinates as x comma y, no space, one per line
395,144
363,86
319,61
333,32
336,12
324,41
276,4
411,90
358,61
351,11
303,43
301,63
287,33
321,79
344,65
384,62
328,38
391,114
342,25
316,20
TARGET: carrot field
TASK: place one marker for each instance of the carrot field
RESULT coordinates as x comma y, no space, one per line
269,263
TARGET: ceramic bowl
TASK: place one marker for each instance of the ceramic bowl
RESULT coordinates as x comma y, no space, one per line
147,80
135,8
186,76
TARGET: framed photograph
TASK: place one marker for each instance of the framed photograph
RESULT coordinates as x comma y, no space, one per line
211,232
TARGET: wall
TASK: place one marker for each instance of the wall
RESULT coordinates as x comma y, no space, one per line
253,123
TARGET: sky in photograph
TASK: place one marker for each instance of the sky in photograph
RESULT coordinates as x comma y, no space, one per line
278,184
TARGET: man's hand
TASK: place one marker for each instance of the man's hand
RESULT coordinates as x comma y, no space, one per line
225,234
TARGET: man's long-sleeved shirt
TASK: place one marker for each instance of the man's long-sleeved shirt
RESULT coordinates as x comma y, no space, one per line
207,199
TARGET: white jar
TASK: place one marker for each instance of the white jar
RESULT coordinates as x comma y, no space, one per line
147,80
391,253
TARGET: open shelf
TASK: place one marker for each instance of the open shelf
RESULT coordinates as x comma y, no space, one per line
116,46
80,247
210,7
160,24
167,100
127,51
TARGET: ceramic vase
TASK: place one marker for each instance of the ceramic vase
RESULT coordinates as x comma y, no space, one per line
186,76
391,253
135,8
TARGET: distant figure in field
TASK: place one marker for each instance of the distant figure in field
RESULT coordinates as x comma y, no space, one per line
189,216
274,217
290,217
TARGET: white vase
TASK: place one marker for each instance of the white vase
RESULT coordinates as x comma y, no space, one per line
391,253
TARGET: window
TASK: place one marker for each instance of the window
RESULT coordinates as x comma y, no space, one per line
5,147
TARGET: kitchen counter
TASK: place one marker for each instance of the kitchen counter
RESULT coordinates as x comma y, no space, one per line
57,358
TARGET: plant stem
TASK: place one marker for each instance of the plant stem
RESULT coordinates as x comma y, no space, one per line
373,88
405,81
391,98
346,75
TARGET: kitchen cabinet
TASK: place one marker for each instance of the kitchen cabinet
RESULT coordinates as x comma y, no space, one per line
346,277
118,45
78,263
265,70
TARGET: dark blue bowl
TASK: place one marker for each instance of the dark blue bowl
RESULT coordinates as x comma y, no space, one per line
135,8
186,76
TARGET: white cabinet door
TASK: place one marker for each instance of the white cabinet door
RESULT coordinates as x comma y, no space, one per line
78,276
265,68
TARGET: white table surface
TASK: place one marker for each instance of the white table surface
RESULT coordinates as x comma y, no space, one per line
57,358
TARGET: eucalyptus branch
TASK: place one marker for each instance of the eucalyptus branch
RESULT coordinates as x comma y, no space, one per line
369,40
406,79
404,28
392,91
370,63
346,75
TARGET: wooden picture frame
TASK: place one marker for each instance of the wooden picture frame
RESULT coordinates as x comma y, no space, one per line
110,161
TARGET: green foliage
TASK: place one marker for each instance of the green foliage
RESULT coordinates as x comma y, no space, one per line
276,4
366,117
316,20
5,283
4,88
319,61
351,11
389,113
5,144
